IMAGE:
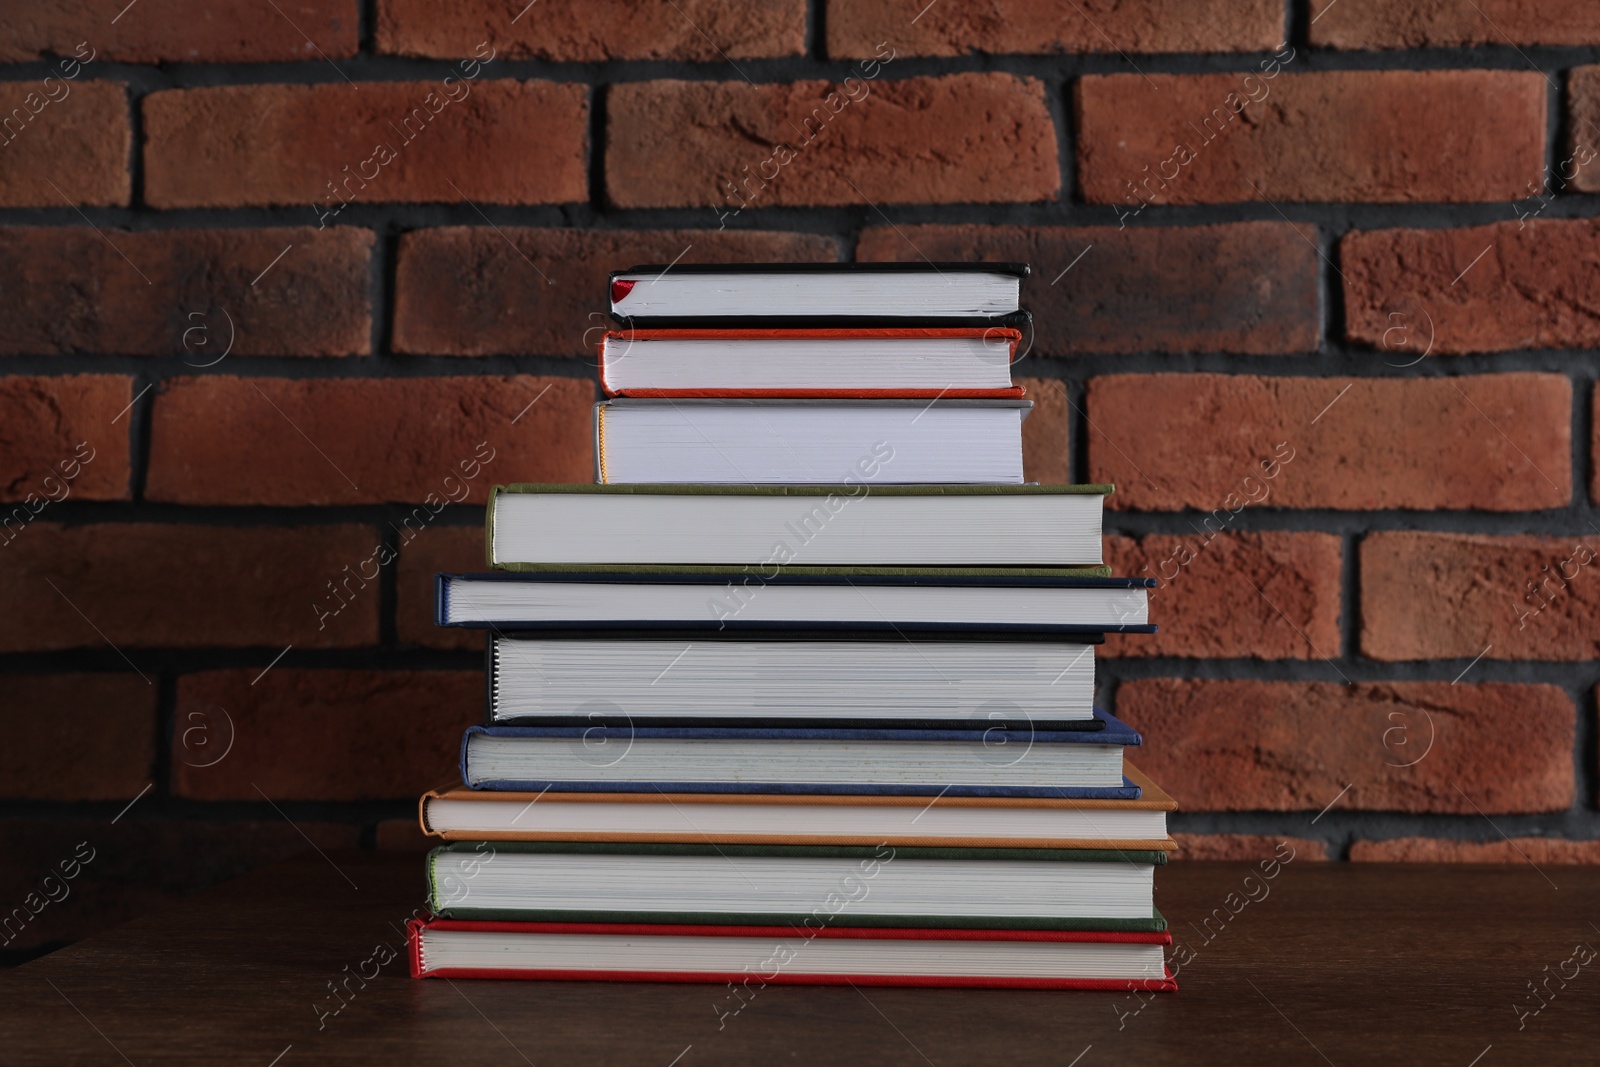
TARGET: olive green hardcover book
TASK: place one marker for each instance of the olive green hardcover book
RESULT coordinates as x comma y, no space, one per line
666,529
832,885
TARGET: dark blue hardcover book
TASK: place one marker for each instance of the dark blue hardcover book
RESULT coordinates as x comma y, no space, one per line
998,600
985,759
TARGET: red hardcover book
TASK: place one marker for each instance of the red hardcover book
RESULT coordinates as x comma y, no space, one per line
849,364
789,955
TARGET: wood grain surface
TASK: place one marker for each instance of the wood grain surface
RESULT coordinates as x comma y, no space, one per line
1324,963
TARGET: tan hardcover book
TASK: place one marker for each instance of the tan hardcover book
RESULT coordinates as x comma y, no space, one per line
461,814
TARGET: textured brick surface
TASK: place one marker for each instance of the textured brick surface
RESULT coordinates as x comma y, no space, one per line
1245,287
169,585
1230,595
196,295
1497,442
77,736
182,31
1579,165
1515,850
1528,284
124,870
64,142
1343,136
1045,432
331,735
444,548
58,441
476,291
1447,596
962,138
425,441
1246,847
495,141
180,311
1294,746
587,31
1374,24
855,27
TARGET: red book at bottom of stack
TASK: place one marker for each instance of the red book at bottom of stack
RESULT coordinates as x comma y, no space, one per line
789,955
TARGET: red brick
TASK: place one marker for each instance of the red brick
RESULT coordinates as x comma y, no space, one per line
1492,288
404,835
77,736
1260,595
1377,24
505,142
61,429
1495,442
181,31
1342,136
453,549
591,31
963,138
332,735
1553,851
187,293
64,143
1578,167
425,441
167,585
1294,746
1236,848
1448,596
134,867
1045,433
1043,27
1244,287
475,291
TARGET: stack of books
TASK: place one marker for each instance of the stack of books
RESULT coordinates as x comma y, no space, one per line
802,691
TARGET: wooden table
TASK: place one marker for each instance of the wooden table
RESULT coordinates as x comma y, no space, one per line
1343,964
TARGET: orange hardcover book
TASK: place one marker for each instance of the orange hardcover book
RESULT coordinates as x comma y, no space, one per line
831,363
462,814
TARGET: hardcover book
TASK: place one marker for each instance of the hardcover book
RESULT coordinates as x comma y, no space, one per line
787,955
999,600
883,884
792,679
925,362
809,442
1139,823
564,527
1011,758
776,295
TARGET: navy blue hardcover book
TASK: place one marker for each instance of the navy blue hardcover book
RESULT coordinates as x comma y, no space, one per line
1007,759
996,599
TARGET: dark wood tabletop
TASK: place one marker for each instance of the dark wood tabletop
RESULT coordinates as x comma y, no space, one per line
1323,963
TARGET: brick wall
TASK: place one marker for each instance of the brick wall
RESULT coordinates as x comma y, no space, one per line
287,288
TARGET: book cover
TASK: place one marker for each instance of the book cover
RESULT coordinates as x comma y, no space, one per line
618,286
867,853
802,492
1150,797
996,335
856,577
1113,732
781,934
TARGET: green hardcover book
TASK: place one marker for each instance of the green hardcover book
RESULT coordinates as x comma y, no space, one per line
813,529
832,885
